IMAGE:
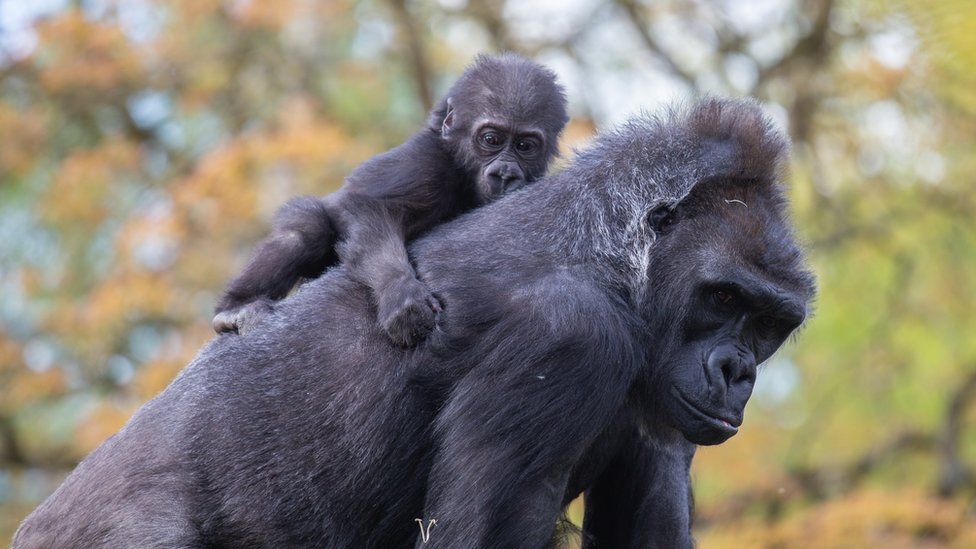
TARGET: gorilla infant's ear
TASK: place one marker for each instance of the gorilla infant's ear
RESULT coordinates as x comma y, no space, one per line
661,217
448,123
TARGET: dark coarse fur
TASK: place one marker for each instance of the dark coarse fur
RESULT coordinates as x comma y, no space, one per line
570,310
495,131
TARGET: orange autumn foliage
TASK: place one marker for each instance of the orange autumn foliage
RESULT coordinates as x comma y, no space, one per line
84,58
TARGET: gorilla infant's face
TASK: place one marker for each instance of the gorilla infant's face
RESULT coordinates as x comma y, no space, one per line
504,151
502,121
509,155
730,286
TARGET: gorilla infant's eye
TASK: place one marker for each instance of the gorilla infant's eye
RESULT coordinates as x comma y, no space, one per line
491,139
723,297
525,145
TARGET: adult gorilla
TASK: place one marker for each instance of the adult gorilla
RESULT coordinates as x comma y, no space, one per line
597,325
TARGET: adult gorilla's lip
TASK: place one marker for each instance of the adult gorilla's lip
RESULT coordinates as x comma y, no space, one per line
723,424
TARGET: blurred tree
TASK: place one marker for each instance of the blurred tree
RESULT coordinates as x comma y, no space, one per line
146,145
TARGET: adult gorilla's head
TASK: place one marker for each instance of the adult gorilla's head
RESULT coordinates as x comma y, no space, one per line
730,288
712,268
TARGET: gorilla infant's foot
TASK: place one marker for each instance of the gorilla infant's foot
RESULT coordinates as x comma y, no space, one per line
408,312
242,318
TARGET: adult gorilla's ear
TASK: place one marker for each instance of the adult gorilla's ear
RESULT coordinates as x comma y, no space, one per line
442,117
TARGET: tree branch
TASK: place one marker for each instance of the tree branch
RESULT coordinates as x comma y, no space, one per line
418,58
812,46
954,474
489,14
642,26
11,446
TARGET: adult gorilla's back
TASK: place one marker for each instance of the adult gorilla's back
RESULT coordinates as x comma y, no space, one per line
313,430
273,439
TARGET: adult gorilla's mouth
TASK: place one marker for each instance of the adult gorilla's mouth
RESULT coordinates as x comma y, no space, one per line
727,427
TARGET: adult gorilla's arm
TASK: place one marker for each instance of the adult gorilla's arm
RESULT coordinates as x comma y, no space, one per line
643,497
513,427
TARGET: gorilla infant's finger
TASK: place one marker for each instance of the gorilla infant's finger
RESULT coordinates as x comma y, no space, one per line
410,324
241,319
225,322
408,313
435,304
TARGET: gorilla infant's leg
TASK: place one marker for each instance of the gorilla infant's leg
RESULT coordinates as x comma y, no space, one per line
375,254
301,245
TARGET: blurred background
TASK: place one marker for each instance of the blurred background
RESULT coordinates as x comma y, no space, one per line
144,146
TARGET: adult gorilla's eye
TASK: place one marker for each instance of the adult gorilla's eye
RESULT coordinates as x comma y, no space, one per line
491,139
722,297
769,322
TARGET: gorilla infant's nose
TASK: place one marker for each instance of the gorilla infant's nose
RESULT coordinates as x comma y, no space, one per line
728,367
504,173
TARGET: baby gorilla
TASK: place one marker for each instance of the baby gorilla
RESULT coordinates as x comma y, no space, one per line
495,131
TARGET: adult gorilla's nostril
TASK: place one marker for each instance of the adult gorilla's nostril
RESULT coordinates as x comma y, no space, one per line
725,368
746,375
730,370
717,373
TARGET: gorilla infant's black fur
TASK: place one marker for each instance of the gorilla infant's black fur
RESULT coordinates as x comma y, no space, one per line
597,326
495,131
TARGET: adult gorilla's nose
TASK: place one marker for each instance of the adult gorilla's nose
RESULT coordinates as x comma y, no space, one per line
729,367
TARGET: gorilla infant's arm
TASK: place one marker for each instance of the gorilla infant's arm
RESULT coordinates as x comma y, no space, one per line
496,131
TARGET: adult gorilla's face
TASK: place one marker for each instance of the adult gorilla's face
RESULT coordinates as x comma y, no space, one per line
728,288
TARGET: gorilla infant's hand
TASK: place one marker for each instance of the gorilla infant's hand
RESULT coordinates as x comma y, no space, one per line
242,318
407,312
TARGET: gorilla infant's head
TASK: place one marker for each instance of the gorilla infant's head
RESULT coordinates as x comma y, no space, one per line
502,121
